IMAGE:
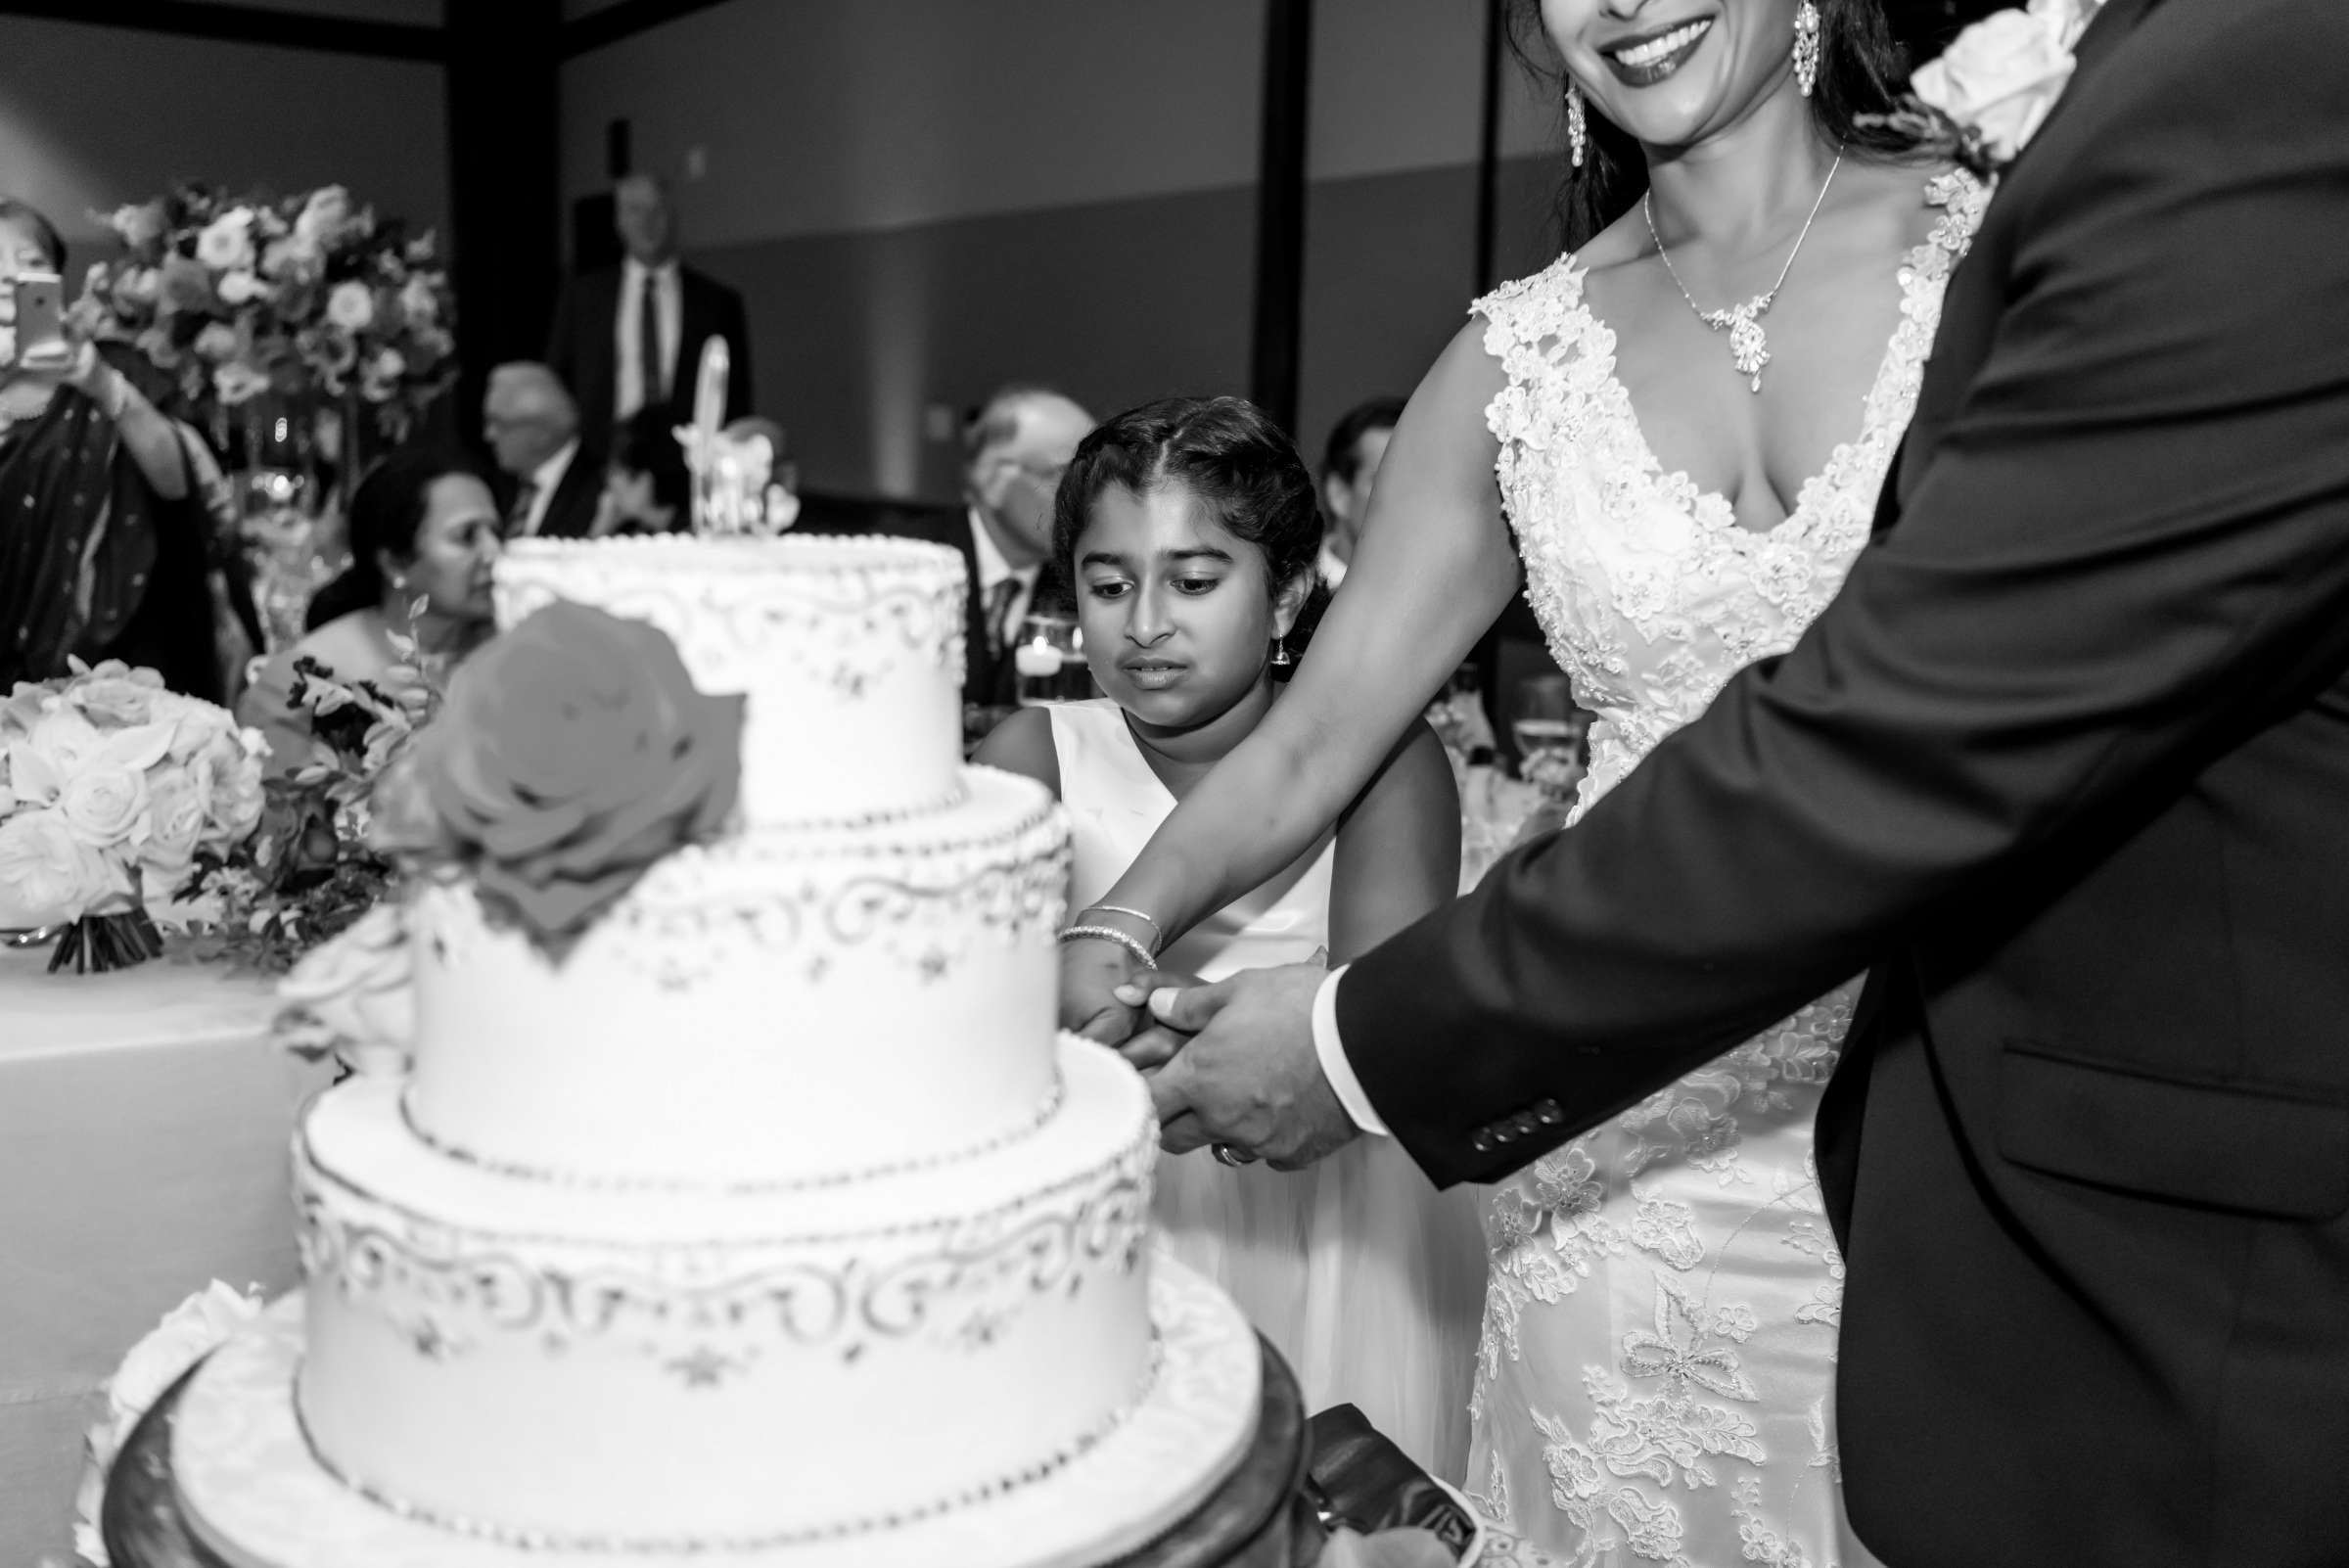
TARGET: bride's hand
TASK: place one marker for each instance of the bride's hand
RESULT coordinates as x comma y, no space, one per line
1152,1045
1091,972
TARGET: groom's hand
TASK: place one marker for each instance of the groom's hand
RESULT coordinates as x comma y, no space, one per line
1249,1079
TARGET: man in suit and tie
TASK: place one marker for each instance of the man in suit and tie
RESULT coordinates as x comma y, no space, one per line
533,426
1014,452
632,334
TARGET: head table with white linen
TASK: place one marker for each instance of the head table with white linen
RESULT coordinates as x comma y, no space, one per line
144,1125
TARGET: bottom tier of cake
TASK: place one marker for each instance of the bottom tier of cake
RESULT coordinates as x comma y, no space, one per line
251,1488
559,1366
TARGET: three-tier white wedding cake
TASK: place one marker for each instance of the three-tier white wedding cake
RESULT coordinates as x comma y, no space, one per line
770,1217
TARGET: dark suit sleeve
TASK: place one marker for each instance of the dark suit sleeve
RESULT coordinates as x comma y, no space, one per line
2126,548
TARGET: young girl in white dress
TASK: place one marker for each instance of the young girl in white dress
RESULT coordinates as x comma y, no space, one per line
1189,531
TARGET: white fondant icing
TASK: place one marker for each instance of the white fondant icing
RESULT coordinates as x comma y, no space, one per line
656,1367
849,650
784,1006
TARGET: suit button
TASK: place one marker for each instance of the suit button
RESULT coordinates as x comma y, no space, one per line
1548,1113
1481,1143
1523,1123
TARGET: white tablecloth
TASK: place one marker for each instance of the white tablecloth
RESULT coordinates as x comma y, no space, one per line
144,1122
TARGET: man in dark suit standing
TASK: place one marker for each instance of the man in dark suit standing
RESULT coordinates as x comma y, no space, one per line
632,334
1014,452
2064,766
533,428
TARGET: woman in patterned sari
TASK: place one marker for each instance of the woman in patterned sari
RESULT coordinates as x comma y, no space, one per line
102,537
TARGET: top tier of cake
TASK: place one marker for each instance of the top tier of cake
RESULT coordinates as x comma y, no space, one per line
850,652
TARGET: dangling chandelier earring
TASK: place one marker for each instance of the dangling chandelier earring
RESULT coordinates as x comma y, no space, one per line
1806,46
1577,130
1280,652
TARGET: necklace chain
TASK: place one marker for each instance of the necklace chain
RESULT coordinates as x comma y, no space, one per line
1749,347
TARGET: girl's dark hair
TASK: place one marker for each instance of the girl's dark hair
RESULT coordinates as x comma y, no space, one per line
645,443
386,513
1225,451
1861,72
12,210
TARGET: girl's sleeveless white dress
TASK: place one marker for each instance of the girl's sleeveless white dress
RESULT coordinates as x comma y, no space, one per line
1361,1274
1655,1382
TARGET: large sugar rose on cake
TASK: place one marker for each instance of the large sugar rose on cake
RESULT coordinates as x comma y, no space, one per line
571,754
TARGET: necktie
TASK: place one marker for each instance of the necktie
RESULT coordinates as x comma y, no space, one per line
518,516
648,344
998,614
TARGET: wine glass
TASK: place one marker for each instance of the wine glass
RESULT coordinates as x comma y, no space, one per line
1048,656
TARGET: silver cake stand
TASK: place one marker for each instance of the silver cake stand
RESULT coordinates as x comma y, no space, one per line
1205,1474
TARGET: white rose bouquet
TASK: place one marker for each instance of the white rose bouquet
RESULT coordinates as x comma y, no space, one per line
187,1334
353,997
110,787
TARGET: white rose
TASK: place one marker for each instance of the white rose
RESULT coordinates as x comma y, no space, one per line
176,814
106,805
241,286
45,868
125,698
324,215
295,254
2001,75
357,994
389,365
351,307
231,778
419,302
226,243
238,382
216,342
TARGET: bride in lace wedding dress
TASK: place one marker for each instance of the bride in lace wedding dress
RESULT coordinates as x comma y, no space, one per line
1690,417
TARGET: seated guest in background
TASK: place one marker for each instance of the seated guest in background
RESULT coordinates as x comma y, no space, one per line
532,425
424,535
646,488
102,531
1014,452
631,336
1349,464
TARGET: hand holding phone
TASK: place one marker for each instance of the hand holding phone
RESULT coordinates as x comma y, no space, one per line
40,312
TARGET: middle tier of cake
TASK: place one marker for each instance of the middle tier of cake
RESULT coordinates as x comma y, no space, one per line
783,1009
680,1372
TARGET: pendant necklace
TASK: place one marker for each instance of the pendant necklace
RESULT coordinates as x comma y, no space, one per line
1749,350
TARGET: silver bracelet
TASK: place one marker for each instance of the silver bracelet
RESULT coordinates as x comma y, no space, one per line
1132,944
1158,932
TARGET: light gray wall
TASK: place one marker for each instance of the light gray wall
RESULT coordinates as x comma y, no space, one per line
92,117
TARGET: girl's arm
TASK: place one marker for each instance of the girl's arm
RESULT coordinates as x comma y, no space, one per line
1399,847
1023,744
1434,568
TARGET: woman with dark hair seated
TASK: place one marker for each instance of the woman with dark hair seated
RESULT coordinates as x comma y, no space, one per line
102,535
646,488
423,539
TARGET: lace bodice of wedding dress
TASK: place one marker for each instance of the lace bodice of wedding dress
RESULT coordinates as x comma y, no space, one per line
1657,1375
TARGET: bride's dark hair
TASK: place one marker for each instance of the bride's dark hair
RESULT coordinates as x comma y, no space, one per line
1861,73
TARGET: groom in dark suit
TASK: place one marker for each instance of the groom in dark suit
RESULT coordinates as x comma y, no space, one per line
2066,767
632,334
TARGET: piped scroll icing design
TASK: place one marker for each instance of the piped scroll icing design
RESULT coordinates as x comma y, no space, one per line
705,1312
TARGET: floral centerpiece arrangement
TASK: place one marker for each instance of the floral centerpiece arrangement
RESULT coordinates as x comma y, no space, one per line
110,788
308,295
310,868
